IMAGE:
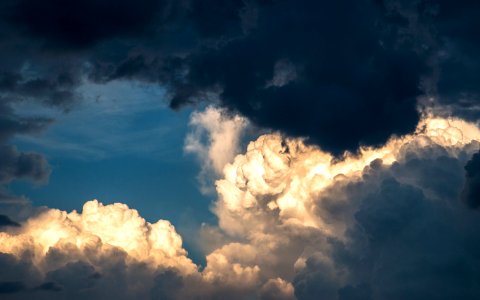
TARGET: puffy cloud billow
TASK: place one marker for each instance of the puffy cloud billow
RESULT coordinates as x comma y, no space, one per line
295,222
215,140
387,223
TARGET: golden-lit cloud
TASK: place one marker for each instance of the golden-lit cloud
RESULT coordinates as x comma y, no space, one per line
280,205
271,197
286,176
98,229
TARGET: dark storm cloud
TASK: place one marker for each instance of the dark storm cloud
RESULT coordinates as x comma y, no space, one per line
82,23
449,31
316,69
308,68
7,287
48,286
457,28
6,221
471,190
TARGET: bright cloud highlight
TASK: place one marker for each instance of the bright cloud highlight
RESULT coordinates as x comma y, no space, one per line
294,223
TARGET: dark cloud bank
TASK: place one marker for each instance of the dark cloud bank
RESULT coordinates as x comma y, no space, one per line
317,69
408,236
343,73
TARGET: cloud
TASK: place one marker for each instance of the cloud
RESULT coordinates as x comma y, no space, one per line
19,165
6,221
356,68
215,140
284,77
111,250
13,124
294,223
15,275
68,25
330,227
471,189
447,32
75,254
390,219
283,176
15,164
100,229
404,242
277,289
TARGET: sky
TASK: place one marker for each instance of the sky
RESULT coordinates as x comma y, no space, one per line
126,145
260,149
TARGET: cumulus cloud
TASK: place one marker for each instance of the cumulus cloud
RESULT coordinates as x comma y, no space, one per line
277,289
109,250
295,222
99,228
215,140
83,253
284,176
329,227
